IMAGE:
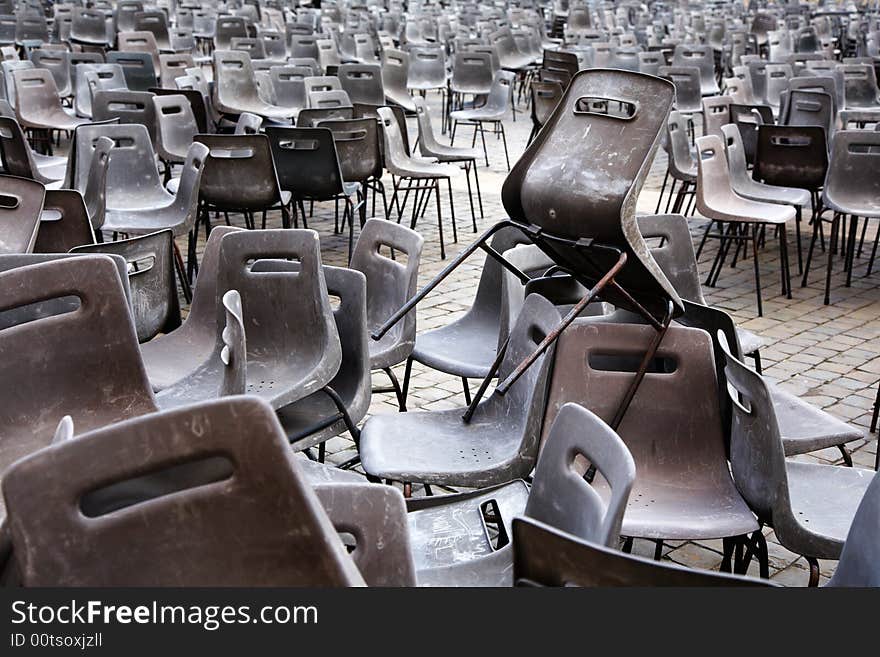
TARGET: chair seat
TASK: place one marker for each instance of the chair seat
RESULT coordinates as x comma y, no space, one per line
449,541
757,191
414,168
54,119
389,350
463,348
143,221
742,210
452,153
304,413
859,115
749,342
134,200
472,89
324,473
824,499
282,383
273,112
805,428
478,114
439,448
865,205
404,100
54,172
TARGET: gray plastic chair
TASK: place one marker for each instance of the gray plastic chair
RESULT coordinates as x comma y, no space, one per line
165,533
467,347
688,89
683,488
175,129
362,83
493,112
701,57
21,204
390,284
150,261
39,104
139,41
452,543
89,28
497,445
235,89
20,160
395,70
293,346
94,77
858,564
58,62
127,107
100,382
288,85
681,166
172,67
546,556
717,201
809,506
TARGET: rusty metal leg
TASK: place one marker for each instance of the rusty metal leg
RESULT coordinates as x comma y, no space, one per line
814,571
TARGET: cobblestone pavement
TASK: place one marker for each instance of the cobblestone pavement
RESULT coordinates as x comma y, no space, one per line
829,355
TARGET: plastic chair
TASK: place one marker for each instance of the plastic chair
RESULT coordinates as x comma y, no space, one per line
395,73
429,147
390,284
717,201
304,45
688,92
809,506
217,491
472,75
670,444
419,176
139,41
234,158
545,97
89,27
778,76
328,99
286,360
362,83
58,62
137,67
31,28
862,98
235,90
94,77
100,382
809,108
127,107
64,223
546,556
21,203
498,445
850,189
248,124
453,545
345,400
744,185
39,105
176,128
157,23
226,28
680,165
308,169
288,87
858,560
172,67
150,260
703,58
427,69
493,112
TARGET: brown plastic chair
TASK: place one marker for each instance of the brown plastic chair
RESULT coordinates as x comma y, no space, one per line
42,378
167,535
21,204
546,556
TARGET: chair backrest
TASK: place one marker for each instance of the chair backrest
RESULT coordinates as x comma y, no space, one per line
248,124
673,249
395,70
311,117
176,126
700,56
58,62
546,556
560,495
329,99
42,375
139,41
714,185
226,28
305,45
427,67
64,223
534,192
362,83
545,97
288,85
306,162
137,67
747,118
151,278
173,66
471,70
739,90
132,169
758,75
234,158
855,154
357,147
234,83
793,156
816,83
21,203
128,107
92,77
17,157
681,161
390,283
95,192
89,26
807,108
155,22
594,366
209,480
778,76
858,561
687,85
716,113
860,85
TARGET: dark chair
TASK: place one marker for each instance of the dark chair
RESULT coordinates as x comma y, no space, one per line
137,67
234,158
128,107
64,223
307,166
